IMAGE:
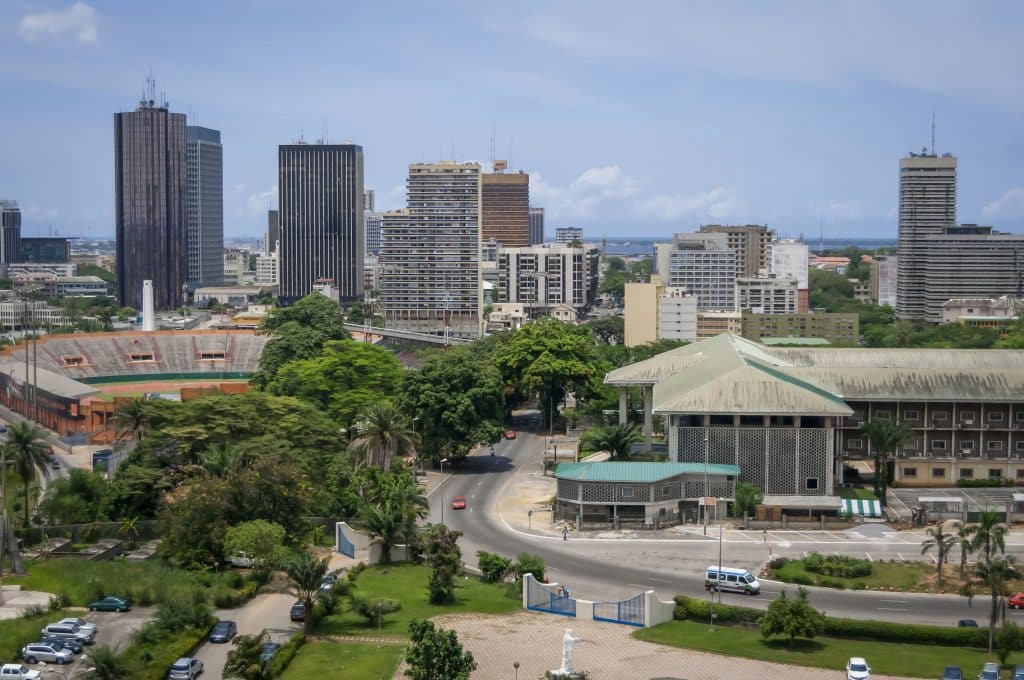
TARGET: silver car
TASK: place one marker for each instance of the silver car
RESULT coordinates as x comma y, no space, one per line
69,630
37,652
185,668
82,624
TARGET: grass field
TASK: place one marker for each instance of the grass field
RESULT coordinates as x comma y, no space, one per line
917,661
857,493
139,388
899,575
326,659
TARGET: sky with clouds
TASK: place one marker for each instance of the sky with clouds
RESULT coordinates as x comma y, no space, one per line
633,119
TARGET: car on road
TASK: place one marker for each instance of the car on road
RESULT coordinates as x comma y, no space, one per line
1016,601
966,623
1018,672
857,669
268,651
69,630
989,671
510,434
55,464
459,503
223,631
952,673
15,671
75,646
298,612
110,604
185,668
328,582
81,623
36,652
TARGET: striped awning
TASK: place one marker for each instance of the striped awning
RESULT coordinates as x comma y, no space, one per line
863,508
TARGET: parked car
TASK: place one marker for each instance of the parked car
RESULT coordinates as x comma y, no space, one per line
15,671
81,623
989,671
298,612
1018,672
268,651
110,604
952,673
966,623
36,652
510,434
75,646
328,582
459,503
241,560
1016,601
185,668
55,464
223,631
857,669
68,630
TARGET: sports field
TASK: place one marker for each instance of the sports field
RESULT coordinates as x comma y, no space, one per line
137,388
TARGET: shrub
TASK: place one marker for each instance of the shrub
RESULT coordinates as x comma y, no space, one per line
493,567
885,631
32,611
700,610
827,582
843,566
802,580
225,598
354,572
777,563
59,601
285,655
374,609
529,564
982,483
181,613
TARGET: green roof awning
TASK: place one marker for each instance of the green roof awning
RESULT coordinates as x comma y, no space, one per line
638,472
864,508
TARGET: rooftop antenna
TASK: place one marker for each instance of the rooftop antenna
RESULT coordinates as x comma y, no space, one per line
933,134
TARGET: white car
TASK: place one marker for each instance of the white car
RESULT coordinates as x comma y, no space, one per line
857,669
15,671
185,668
82,624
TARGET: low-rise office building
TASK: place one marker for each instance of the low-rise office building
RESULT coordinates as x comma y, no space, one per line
767,295
835,328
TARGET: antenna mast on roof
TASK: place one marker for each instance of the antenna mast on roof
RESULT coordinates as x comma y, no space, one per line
933,134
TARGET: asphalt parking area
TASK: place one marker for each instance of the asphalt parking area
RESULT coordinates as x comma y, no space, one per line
976,499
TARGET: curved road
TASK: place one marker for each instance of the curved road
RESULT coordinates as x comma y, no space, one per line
615,568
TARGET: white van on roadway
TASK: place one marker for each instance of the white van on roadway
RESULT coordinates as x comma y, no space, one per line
729,579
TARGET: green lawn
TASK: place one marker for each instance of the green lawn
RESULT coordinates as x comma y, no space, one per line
899,575
407,583
917,661
857,493
326,659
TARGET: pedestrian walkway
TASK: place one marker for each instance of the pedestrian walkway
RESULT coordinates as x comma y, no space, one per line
363,639
608,652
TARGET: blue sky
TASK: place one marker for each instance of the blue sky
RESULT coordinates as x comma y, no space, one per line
637,119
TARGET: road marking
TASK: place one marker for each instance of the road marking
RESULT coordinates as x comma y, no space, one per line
900,555
439,485
891,609
869,557
895,601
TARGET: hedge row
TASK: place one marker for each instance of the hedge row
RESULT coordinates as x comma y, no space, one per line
852,629
983,483
156,659
285,655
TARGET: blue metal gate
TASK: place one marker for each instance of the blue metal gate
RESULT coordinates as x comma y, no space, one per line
629,612
345,546
543,598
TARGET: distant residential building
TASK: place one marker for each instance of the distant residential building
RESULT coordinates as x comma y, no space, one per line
789,260
829,263
273,232
150,185
236,263
663,251
543,278
710,324
536,226
640,311
372,221
707,271
80,286
10,232
321,219
767,295
750,242
991,312
505,207
55,250
508,316
232,295
430,256
204,201
369,200
677,315
29,269
568,234
267,270
22,314
883,280
837,329
489,250
861,290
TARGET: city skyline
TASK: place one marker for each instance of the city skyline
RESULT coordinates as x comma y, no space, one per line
644,134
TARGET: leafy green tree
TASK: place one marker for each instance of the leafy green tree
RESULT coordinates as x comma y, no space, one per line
792,618
196,524
374,609
886,436
306,573
614,264
384,434
654,348
79,498
614,286
261,541
748,497
131,418
105,663
610,329
244,660
618,440
397,506
997,572
493,567
313,311
965,541
26,451
444,557
299,332
436,654
528,564
1008,640
942,543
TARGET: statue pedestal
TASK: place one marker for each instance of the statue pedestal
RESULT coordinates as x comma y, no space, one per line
566,675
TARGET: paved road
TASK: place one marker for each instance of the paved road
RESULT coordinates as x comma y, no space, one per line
611,568
268,612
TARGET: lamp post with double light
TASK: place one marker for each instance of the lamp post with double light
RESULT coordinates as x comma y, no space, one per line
441,484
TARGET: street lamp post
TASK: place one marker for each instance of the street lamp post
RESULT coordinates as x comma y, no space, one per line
515,665
719,550
707,453
440,484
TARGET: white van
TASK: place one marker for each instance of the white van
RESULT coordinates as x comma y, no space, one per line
729,579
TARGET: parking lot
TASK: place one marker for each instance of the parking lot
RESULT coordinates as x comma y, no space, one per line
976,500
113,629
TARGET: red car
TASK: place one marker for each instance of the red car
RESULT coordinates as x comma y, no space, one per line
459,503
1017,601
510,434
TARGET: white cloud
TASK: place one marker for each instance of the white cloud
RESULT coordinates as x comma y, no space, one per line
78,22
581,198
836,210
257,204
1010,204
37,214
718,203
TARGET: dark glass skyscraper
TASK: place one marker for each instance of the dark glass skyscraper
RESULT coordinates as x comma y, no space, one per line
150,186
320,219
10,232
205,207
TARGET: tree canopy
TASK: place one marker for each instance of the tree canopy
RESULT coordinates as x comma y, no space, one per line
299,332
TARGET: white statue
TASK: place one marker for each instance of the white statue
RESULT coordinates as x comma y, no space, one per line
568,642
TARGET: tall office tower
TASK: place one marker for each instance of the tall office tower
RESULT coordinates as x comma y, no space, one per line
372,222
430,255
789,260
10,232
568,234
536,226
321,219
273,232
150,211
369,200
707,270
505,207
927,207
204,162
750,242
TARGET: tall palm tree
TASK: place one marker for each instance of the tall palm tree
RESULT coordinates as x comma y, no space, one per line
384,521
886,436
989,536
244,660
131,418
26,450
306,574
943,544
997,573
617,440
384,434
965,540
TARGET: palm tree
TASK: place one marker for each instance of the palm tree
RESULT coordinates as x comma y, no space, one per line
965,540
106,664
131,418
997,573
306,574
943,544
386,522
989,536
384,434
129,529
244,660
886,436
618,440
26,449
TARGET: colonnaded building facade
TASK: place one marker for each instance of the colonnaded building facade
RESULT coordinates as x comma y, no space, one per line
790,418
